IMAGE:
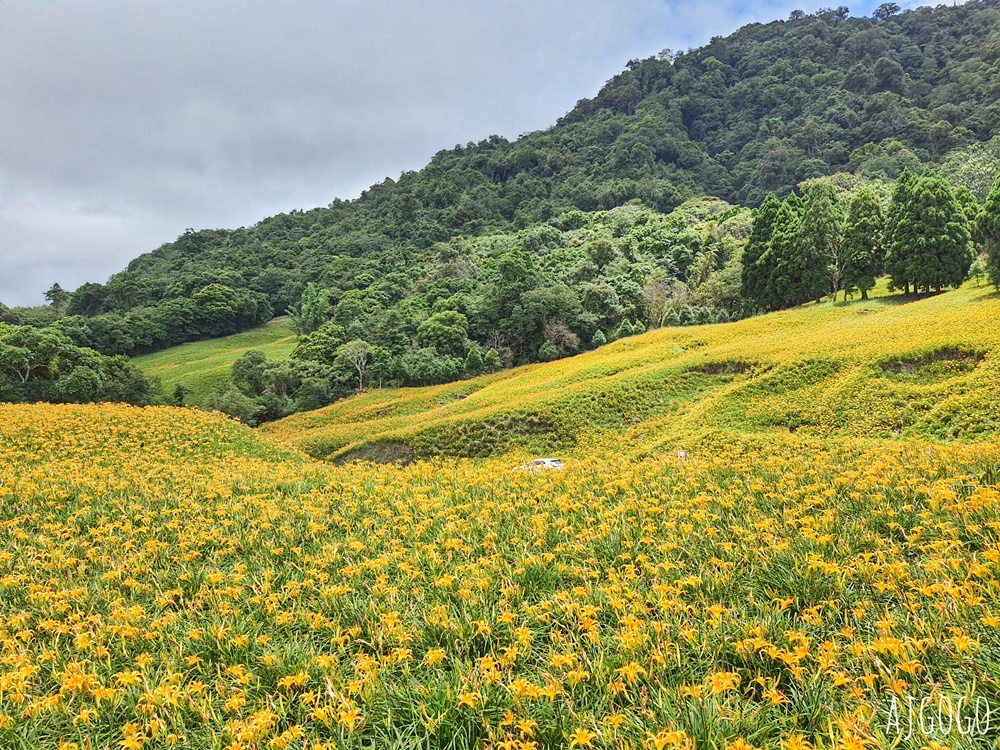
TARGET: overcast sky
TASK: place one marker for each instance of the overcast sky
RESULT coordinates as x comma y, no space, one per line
124,122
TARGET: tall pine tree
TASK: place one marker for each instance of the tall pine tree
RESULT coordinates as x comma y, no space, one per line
969,204
900,235
989,231
782,258
942,249
864,248
754,275
821,242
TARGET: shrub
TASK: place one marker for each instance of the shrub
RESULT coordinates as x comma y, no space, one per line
670,318
548,352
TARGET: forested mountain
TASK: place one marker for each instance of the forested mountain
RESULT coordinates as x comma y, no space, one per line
493,229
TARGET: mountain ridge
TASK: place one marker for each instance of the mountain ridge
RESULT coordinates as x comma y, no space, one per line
663,130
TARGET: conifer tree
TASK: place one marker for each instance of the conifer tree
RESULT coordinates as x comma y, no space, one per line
989,231
942,252
820,246
753,275
670,318
782,258
492,361
864,248
969,204
900,238
474,361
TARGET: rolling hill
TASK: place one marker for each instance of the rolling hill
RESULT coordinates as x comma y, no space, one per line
169,577
201,365
873,368
380,573
758,111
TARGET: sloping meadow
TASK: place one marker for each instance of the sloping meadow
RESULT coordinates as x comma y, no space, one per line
167,579
200,366
877,368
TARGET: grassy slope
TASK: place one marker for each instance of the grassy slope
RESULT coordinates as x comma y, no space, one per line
824,370
201,365
230,589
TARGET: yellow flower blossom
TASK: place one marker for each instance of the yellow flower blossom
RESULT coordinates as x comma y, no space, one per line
582,737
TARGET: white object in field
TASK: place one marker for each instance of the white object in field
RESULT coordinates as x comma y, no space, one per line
682,455
542,463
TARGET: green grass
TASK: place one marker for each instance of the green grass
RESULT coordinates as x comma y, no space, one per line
201,365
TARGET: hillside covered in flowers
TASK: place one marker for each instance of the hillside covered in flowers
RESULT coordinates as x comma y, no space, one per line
830,544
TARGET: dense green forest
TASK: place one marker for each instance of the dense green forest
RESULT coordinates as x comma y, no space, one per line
43,364
524,251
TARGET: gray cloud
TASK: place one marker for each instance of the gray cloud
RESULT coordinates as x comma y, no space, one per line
124,122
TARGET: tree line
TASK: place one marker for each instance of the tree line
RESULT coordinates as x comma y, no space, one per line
43,364
481,304
925,239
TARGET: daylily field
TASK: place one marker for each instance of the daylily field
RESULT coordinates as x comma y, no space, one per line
169,578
